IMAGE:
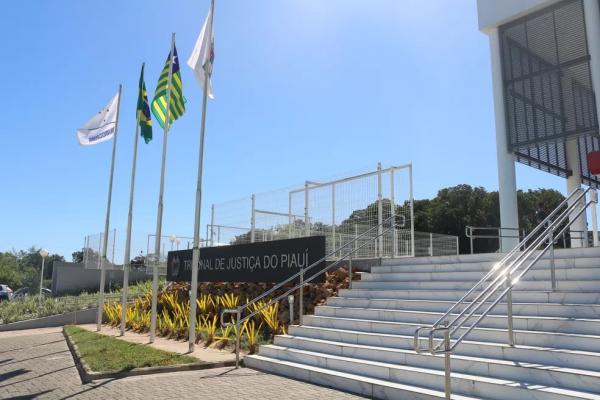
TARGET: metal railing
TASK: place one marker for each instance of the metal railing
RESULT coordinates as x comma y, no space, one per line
498,233
505,274
345,251
492,232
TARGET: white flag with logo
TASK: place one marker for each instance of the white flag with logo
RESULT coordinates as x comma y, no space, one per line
102,126
203,54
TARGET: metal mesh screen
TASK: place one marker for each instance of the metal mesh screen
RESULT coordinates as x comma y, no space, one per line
341,210
92,251
547,88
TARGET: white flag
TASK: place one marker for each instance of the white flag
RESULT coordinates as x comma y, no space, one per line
102,126
203,54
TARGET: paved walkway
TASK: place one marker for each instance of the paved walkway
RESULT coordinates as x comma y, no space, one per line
38,365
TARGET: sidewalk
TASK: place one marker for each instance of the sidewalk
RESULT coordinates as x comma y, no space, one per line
173,346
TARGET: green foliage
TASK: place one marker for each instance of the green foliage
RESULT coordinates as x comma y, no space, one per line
22,268
31,307
104,353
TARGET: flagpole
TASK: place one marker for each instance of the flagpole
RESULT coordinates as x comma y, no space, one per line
160,197
196,248
127,258
106,222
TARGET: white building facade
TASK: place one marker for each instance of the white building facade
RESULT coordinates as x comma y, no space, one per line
545,57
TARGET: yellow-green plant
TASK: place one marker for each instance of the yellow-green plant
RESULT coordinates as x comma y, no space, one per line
112,313
252,334
209,327
206,304
270,315
223,338
228,300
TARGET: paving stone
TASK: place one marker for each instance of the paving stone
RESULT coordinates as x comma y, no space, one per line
37,364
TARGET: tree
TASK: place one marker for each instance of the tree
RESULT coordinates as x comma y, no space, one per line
77,256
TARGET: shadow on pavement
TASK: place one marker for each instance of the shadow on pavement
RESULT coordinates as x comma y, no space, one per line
28,396
12,374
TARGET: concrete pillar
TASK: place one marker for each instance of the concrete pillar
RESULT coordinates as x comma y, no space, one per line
578,229
591,9
507,183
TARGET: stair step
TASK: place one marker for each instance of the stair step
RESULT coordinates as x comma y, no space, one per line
591,311
573,379
562,274
370,387
576,285
484,266
499,351
525,323
519,296
492,388
522,337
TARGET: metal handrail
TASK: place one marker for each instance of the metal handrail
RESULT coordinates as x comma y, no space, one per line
520,232
353,249
505,272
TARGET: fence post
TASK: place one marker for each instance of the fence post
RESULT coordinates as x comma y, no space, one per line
431,244
379,212
212,225
253,220
333,217
290,217
113,249
457,245
393,215
99,251
306,219
301,299
412,211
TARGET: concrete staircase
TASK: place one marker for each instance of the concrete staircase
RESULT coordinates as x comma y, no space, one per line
362,341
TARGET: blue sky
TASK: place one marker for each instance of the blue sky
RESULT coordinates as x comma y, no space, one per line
304,89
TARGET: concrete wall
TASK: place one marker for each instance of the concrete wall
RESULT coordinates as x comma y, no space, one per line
73,278
76,317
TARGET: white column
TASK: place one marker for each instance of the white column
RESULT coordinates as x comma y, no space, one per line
507,183
578,228
591,10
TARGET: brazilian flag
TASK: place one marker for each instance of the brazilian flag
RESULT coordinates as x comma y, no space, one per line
177,101
143,110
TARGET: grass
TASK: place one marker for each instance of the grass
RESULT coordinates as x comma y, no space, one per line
107,354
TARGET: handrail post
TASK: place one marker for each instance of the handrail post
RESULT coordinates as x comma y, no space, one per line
301,299
552,264
290,299
471,238
509,310
594,201
447,370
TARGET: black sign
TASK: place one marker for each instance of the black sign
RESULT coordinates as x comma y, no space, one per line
272,261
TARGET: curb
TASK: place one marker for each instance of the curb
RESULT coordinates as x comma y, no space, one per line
87,375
